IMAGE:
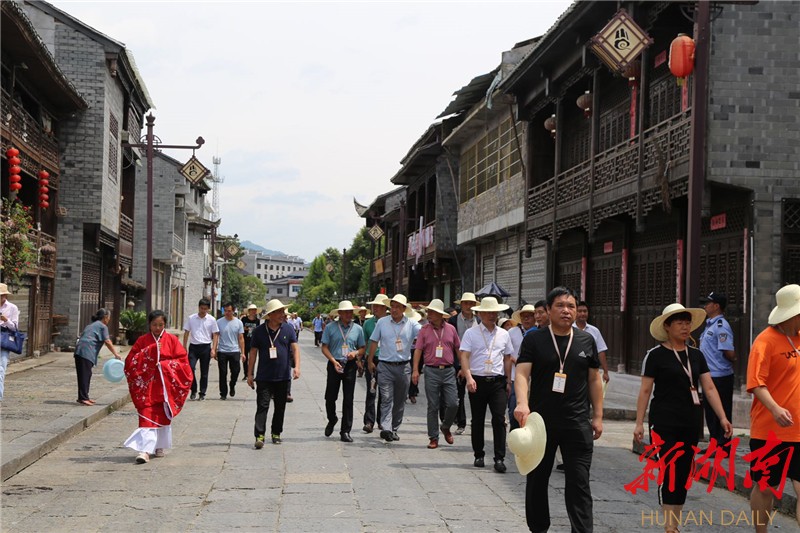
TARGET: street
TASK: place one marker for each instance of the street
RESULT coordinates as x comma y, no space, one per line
213,479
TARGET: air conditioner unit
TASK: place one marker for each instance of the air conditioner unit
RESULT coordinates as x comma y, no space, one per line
125,137
180,202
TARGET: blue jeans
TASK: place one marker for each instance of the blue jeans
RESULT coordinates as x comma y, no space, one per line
3,366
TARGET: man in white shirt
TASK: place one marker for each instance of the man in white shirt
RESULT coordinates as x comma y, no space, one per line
200,337
9,320
582,324
486,363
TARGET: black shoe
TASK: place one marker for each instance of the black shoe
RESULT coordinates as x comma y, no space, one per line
479,462
233,389
500,466
329,427
367,428
193,396
289,398
346,437
386,435
395,436
202,397
560,467
222,398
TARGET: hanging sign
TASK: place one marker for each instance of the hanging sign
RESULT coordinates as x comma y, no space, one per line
620,42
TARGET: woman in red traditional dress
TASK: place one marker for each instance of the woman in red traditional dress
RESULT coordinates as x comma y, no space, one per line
159,378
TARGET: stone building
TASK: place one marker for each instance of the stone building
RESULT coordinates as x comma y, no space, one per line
98,178
271,267
37,97
384,214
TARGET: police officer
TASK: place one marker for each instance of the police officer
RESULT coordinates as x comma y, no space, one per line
716,343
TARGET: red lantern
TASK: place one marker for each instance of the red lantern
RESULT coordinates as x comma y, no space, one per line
550,125
681,57
14,186
43,190
585,102
12,152
44,205
44,183
43,175
14,161
14,178
14,170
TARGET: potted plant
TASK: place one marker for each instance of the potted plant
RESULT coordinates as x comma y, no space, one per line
135,324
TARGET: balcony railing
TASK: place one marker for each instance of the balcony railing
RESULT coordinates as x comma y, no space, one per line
382,265
37,148
422,242
178,244
125,236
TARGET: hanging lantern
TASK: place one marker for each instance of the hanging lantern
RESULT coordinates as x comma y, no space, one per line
14,170
44,190
633,72
43,175
12,152
681,57
585,102
550,125
14,161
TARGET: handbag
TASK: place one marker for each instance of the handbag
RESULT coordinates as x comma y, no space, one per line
11,341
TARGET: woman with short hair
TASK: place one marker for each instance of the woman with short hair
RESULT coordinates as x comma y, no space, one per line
87,350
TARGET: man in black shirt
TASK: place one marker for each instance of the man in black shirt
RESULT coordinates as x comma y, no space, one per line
250,322
562,364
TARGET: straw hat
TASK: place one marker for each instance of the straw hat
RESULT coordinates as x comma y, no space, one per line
528,443
788,300
273,305
411,314
657,325
402,300
517,315
467,297
490,305
502,321
380,299
346,305
4,289
252,306
437,306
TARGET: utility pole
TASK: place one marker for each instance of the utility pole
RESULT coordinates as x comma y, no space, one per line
344,269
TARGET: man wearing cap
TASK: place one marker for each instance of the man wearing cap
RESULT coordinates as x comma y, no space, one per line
437,346
9,320
200,338
274,347
462,322
395,334
249,322
343,345
563,367
581,322
773,377
486,362
319,325
716,343
380,304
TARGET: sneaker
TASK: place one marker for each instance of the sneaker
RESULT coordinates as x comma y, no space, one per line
159,452
259,442
386,435
500,466
448,436
460,430
479,463
276,439
395,436
193,396
142,458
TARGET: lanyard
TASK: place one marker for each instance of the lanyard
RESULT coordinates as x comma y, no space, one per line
788,338
438,337
344,337
273,339
558,352
688,363
494,338
398,332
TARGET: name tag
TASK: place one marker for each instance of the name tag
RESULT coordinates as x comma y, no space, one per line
489,365
273,353
695,396
398,344
345,350
439,352
559,382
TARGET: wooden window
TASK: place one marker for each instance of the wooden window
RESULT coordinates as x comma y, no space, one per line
489,162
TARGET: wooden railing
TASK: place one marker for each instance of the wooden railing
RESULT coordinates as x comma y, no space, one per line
37,148
125,235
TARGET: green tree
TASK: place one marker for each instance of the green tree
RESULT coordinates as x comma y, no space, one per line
254,292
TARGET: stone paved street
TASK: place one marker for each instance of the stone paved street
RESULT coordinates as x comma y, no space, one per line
213,479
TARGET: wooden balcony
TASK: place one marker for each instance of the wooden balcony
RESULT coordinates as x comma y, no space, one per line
46,246
38,149
424,249
382,266
666,149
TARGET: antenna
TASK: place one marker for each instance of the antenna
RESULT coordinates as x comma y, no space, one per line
216,179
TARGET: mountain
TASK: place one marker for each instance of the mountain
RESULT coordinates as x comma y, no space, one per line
256,248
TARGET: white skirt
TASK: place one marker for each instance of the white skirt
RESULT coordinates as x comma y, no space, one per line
150,439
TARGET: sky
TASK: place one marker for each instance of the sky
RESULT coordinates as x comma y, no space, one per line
308,104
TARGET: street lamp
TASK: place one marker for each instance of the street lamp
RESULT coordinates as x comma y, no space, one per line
150,145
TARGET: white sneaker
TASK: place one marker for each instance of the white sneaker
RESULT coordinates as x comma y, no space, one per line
142,458
159,452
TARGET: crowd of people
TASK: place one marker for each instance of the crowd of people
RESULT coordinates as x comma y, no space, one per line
543,358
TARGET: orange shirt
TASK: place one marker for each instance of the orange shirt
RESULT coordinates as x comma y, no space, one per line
774,364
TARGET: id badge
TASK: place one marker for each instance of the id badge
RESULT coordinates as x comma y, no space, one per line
398,344
695,396
489,365
439,352
559,382
273,353
345,351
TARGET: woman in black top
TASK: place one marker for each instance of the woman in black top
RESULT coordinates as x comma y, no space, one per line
676,413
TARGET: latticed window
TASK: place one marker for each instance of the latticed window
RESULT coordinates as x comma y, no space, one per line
791,240
490,161
113,147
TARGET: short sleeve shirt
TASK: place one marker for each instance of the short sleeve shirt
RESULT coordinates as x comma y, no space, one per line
91,341
774,364
430,338
229,331
672,404
336,335
319,324
482,345
369,328
278,369
572,406
388,332
516,342
598,338
717,337
201,330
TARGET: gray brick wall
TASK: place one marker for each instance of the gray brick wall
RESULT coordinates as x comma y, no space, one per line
754,124
194,264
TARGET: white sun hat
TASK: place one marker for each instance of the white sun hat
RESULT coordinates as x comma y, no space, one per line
273,305
657,325
489,305
528,443
788,300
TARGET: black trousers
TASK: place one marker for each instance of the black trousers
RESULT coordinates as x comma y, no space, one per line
224,361
682,466
317,338
276,391
202,353
576,448
491,393
83,367
461,412
369,401
347,381
724,387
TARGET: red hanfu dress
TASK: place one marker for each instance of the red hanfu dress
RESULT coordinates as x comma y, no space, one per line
159,379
